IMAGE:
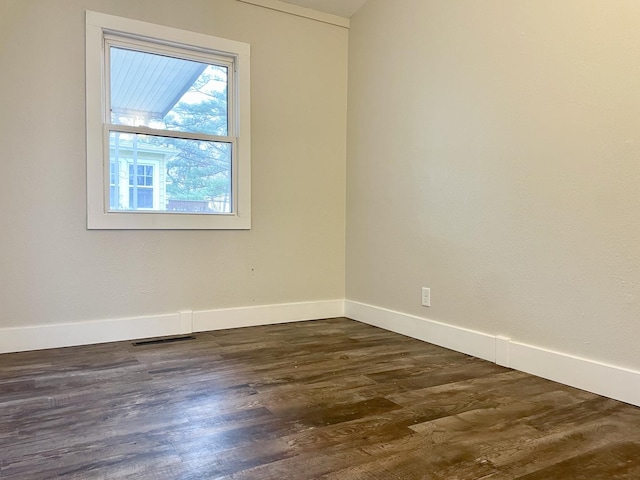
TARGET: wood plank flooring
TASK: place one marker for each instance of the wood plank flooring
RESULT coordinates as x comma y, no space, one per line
332,399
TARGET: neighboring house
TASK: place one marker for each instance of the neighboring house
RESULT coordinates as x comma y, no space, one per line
137,174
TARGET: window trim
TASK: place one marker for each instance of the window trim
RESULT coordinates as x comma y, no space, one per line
99,25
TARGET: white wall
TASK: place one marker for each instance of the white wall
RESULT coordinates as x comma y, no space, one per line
494,156
54,271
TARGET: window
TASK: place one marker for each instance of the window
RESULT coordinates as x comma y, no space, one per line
168,142
140,186
114,185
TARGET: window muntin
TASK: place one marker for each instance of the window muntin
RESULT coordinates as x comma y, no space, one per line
170,101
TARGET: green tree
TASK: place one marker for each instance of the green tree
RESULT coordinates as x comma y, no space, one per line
200,170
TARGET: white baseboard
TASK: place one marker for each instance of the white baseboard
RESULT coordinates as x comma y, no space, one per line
207,320
608,380
502,350
39,337
471,342
590,375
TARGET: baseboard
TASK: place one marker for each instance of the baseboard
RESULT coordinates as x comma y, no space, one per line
608,380
266,315
463,340
41,337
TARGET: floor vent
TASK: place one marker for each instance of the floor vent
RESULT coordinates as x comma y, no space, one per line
163,340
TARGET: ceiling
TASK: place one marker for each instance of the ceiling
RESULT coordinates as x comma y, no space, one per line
342,8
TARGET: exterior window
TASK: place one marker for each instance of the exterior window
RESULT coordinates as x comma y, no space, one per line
140,186
114,185
167,128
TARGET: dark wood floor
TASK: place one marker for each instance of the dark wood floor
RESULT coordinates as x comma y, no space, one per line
331,399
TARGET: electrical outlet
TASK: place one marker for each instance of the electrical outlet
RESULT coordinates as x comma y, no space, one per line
426,297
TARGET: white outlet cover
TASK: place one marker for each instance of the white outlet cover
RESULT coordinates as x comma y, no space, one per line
426,297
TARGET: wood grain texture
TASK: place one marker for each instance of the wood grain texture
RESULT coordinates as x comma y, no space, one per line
330,399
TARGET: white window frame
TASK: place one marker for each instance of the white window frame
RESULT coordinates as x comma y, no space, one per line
99,25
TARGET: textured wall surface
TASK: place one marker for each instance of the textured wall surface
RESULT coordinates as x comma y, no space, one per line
494,156
54,270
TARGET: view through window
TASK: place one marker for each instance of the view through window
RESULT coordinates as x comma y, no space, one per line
168,173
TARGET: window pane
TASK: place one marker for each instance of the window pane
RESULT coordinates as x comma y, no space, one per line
140,198
113,185
168,93
143,177
169,174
